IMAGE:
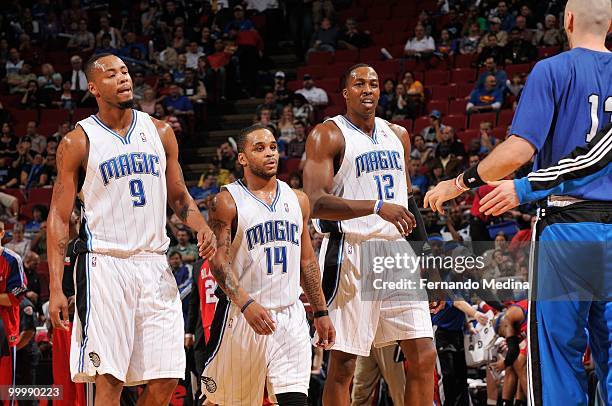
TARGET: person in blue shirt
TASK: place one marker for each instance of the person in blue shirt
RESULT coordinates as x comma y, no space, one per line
491,69
179,103
239,23
488,98
567,98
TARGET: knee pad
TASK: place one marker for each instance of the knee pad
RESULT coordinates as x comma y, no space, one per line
292,399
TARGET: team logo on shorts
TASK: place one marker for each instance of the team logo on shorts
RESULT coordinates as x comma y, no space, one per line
143,137
95,359
93,261
349,249
210,384
230,322
286,208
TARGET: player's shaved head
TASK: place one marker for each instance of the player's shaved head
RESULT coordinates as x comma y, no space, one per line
589,17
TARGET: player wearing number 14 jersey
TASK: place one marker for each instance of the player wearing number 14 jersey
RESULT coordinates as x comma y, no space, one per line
123,166
259,336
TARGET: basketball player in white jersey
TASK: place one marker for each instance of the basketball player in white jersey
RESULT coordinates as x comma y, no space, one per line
123,164
357,179
260,335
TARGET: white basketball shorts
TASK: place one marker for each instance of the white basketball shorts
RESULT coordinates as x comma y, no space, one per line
360,323
239,362
128,320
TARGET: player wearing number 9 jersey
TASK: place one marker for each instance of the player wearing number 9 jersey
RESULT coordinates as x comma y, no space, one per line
123,166
566,100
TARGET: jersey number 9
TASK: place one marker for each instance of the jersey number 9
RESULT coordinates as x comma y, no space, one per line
137,191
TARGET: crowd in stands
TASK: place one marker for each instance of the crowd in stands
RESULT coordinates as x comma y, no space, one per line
450,71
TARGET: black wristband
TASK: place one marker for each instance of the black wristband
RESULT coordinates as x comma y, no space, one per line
320,313
472,179
248,302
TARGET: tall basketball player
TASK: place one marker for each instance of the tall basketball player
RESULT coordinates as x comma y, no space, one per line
123,164
260,332
357,179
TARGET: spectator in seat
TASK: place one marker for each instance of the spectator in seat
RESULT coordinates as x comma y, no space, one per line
322,9
417,179
139,85
105,28
297,146
8,142
491,69
178,73
451,165
403,106
270,103
32,97
83,41
489,98
507,19
179,42
61,132
421,151
518,50
302,109
35,174
265,118
183,275
66,98
495,28
421,46
448,138
470,18
432,133
387,94
188,251
325,38
286,130
531,21
314,95
77,77
239,23
192,54
105,46
468,45
453,25
207,42
525,33
179,104
487,139
295,181
18,82
207,186
250,52
446,46
46,75
352,37
38,141
549,35
515,85
492,49
194,88
280,88
8,175
414,88
14,63
147,103
18,243
131,43
226,157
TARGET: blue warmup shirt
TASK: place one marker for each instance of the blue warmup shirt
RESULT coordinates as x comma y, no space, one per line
566,100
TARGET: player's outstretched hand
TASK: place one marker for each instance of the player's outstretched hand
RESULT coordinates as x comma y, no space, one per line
443,192
207,243
501,199
399,216
325,331
259,319
58,310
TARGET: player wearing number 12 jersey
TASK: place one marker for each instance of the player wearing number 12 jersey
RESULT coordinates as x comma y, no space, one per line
123,164
259,336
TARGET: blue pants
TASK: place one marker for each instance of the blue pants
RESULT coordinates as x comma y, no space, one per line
573,283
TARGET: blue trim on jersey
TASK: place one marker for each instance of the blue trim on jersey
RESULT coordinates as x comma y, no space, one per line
339,267
84,343
270,207
124,140
88,232
354,127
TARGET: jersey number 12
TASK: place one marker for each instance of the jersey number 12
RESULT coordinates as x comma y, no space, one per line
594,100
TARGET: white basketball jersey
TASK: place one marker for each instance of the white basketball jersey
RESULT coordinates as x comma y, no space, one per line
372,168
266,250
124,192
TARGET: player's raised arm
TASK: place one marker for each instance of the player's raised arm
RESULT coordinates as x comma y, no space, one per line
222,215
71,157
582,166
179,198
324,148
310,280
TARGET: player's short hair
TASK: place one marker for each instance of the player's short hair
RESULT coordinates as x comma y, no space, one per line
91,61
347,73
244,135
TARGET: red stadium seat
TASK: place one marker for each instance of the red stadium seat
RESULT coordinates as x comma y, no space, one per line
500,132
378,12
463,75
464,90
442,92
151,80
331,85
50,119
317,72
476,119
10,100
294,85
517,69
467,136
18,193
437,77
407,124
546,52
383,39
404,11
400,37
320,58
465,61
21,118
457,106
331,111
82,112
289,165
396,25
505,117
40,196
346,55
458,122
356,13
370,54
440,105
373,27
397,51
420,123
387,69
337,69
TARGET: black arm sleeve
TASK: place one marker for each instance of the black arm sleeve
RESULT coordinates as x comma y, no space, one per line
194,304
418,236
513,350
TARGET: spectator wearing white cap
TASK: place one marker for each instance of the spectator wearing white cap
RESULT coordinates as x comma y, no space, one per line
280,87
